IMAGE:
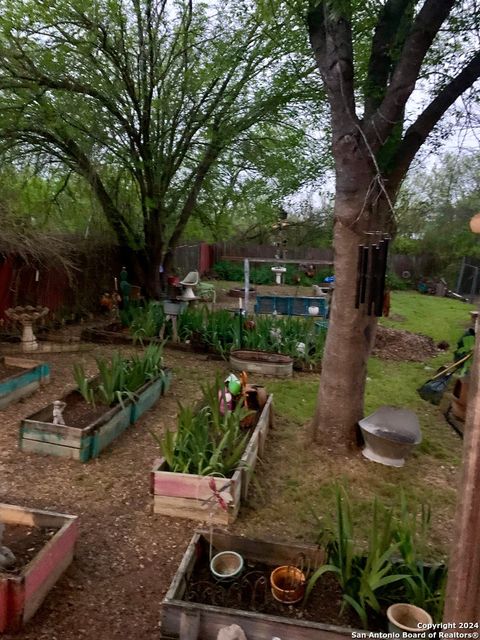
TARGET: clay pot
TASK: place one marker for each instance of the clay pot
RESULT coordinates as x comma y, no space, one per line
407,618
288,584
460,398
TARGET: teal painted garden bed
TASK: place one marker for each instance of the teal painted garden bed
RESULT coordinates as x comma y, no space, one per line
39,435
26,378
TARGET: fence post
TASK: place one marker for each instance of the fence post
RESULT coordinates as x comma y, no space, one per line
246,271
460,276
474,284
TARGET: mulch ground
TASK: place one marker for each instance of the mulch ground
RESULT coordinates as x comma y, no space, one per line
7,371
24,542
398,344
126,556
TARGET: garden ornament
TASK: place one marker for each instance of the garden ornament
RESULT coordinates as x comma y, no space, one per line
276,334
233,383
233,632
125,288
58,408
7,559
301,346
26,316
226,401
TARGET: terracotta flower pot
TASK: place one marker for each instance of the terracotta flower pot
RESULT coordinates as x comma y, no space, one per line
288,584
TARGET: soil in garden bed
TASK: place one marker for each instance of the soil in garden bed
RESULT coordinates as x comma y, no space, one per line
78,414
251,592
25,543
261,356
8,370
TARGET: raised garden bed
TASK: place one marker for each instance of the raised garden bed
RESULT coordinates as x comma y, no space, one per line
87,430
291,305
20,377
262,362
196,602
240,293
43,543
185,495
112,334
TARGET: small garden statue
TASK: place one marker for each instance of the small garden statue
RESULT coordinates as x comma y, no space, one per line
7,559
58,408
233,632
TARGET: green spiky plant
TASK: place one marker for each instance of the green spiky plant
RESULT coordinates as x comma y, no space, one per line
390,570
83,384
208,441
119,377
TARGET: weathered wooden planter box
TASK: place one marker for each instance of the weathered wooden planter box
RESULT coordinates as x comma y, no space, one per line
262,363
21,595
106,335
148,395
39,435
22,383
204,621
184,495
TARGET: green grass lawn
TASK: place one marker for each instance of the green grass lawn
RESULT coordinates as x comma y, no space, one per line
298,477
440,318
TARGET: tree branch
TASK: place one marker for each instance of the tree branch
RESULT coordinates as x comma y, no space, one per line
331,39
425,27
418,132
381,62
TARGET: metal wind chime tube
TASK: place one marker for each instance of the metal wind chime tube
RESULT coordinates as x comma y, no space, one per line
371,271
372,277
361,276
382,266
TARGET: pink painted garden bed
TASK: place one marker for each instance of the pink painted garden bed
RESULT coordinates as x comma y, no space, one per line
22,593
187,495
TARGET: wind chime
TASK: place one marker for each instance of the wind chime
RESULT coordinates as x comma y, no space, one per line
371,270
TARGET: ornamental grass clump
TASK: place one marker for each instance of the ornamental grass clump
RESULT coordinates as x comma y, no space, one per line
147,321
389,570
219,331
209,441
119,377
298,338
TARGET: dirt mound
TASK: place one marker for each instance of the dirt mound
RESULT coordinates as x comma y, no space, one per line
397,344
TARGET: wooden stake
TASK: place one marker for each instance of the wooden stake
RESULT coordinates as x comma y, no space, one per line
462,603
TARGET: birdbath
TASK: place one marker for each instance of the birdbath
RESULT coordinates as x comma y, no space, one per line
27,316
278,271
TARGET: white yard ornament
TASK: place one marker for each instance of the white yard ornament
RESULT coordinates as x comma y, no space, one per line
233,632
7,559
58,409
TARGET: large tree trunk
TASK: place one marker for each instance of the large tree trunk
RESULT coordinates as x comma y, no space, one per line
349,340
144,271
